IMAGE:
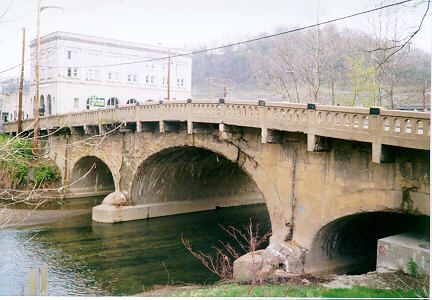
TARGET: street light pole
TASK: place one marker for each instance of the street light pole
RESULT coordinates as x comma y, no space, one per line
36,101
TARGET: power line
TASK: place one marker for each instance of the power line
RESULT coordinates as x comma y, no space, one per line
236,43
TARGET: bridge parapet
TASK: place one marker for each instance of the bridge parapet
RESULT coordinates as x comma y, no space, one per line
376,125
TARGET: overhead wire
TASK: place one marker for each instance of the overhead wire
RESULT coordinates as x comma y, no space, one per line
235,43
244,41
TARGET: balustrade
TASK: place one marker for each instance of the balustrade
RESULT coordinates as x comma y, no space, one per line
339,122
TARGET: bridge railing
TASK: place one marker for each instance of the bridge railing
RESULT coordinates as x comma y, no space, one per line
380,126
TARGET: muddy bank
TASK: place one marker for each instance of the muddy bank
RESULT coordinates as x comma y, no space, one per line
26,217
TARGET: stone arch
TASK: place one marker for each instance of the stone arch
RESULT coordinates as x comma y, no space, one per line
90,175
349,244
189,173
257,174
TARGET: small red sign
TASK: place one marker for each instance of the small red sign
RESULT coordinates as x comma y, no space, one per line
382,250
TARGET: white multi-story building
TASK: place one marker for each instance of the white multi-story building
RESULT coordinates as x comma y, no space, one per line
81,72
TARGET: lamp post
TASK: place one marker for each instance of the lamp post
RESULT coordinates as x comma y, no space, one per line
37,79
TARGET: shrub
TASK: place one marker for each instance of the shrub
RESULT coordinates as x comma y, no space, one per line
44,173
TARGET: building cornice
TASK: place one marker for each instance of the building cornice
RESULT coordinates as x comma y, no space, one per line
73,37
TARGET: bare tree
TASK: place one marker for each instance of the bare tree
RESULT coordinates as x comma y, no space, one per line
247,239
389,46
16,151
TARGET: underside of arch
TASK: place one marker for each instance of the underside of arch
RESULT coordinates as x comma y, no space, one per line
349,244
190,174
91,177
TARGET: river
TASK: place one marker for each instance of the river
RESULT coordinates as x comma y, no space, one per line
87,258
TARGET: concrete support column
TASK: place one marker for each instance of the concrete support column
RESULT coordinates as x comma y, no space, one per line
316,143
264,135
161,126
382,153
87,130
376,153
138,126
189,127
269,136
224,133
76,130
101,129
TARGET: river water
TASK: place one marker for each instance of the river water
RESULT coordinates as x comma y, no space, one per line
89,258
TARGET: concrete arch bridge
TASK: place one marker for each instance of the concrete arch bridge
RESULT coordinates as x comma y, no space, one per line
334,179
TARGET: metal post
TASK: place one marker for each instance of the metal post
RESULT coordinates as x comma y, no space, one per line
21,86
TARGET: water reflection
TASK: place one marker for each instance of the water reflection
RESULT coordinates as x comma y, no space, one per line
89,258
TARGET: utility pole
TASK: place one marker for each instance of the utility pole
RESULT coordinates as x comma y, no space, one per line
21,86
424,96
169,74
37,78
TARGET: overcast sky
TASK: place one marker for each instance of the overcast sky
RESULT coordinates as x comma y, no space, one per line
184,23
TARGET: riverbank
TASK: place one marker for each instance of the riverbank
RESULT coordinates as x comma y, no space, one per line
371,285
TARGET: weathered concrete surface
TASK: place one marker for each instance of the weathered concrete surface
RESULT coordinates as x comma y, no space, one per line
304,191
248,266
115,199
394,253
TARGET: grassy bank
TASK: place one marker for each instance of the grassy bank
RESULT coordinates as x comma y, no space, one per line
290,290
18,170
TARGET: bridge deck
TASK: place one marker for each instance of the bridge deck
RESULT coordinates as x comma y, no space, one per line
377,126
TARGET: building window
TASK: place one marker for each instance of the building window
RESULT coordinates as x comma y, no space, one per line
110,77
147,79
164,81
75,72
69,54
180,82
42,106
135,77
76,103
49,100
96,74
129,77
152,79
69,72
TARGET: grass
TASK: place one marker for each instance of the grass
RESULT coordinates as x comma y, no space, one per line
289,290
